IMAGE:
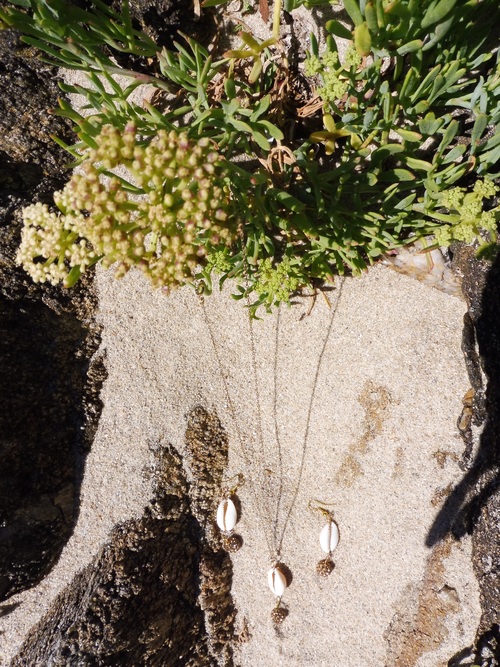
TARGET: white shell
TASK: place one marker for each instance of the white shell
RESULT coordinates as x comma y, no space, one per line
227,516
329,536
277,581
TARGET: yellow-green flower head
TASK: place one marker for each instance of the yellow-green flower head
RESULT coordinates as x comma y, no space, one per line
180,206
472,222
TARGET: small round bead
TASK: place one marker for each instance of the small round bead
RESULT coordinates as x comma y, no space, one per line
232,543
278,615
325,567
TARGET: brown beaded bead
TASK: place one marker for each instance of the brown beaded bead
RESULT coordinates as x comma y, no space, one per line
325,567
232,543
278,615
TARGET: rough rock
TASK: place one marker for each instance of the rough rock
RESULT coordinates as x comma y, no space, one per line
475,505
140,601
48,392
161,19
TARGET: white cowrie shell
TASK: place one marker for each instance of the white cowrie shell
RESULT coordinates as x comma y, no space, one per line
277,581
329,536
227,516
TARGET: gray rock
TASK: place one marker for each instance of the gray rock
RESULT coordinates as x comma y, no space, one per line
49,398
158,593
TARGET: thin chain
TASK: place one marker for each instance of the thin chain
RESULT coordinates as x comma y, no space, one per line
334,308
276,429
274,550
278,536
263,510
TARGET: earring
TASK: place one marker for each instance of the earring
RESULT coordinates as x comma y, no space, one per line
278,583
227,516
328,539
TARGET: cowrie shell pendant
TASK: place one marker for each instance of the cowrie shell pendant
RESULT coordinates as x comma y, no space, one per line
277,580
227,516
329,537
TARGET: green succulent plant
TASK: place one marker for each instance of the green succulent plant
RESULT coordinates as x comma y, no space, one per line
395,142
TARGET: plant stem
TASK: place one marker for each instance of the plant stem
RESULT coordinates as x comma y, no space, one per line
277,19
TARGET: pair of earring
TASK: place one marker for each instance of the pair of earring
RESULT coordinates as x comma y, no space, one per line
227,518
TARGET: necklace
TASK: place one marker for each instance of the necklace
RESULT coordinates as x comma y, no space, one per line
274,513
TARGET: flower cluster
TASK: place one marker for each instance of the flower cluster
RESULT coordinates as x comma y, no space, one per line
278,280
179,211
328,67
352,57
219,262
467,209
51,251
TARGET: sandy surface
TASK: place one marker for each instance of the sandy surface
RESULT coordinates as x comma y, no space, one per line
382,446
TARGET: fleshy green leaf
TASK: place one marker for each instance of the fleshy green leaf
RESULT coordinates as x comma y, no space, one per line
448,136
480,124
437,11
490,157
352,8
362,39
256,71
406,202
410,47
439,32
250,41
314,44
397,175
213,3
429,125
371,17
409,83
398,9
285,198
337,29
431,75
230,88
420,165
383,152
274,131
454,154
408,135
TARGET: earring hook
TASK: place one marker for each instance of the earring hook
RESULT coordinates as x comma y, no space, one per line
319,506
239,481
